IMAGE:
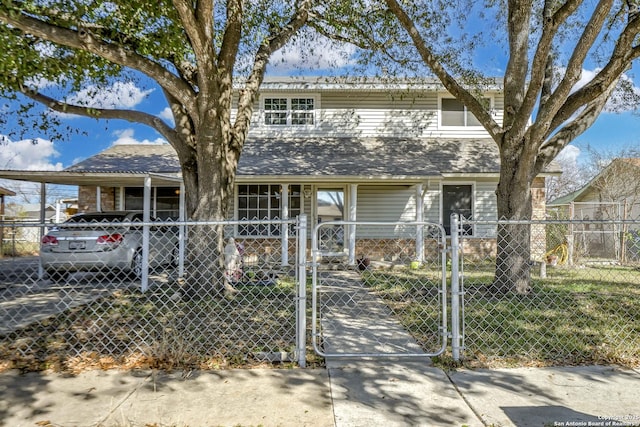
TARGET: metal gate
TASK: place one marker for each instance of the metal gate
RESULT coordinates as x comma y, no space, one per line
379,289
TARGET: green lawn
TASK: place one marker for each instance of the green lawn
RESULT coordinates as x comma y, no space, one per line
575,316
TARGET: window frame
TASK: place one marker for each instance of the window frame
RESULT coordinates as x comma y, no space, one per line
265,230
290,112
441,125
132,199
469,231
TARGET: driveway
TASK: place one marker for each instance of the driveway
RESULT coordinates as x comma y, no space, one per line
26,299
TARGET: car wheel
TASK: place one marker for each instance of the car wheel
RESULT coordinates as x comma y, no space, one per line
57,276
136,264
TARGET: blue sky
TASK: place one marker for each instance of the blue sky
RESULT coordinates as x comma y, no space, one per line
612,131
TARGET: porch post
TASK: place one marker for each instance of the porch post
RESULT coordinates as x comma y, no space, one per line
420,226
121,199
98,198
146,218
285,227
353,207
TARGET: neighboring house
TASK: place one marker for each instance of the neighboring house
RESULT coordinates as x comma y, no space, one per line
29,212
3,192
614,194
389,152
19,225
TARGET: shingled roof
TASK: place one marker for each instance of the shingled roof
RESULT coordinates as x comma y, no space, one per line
131,158
314,157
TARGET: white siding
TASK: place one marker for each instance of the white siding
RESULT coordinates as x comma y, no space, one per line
486,204
432,202
486,208
369,114
385,204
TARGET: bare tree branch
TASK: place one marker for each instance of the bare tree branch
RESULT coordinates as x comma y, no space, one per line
552,147
541,65
232,35
518,24
449,82
84,40
620,60
133,116
274,42
543,123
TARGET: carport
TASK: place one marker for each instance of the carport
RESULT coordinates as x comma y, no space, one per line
116,179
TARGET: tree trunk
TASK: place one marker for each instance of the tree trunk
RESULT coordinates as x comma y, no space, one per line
514,202
209,195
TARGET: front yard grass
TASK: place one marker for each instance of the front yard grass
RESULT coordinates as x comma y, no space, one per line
160,329
588,315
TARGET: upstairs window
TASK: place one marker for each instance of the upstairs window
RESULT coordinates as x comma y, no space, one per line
454,113
275,111
288,111
302,111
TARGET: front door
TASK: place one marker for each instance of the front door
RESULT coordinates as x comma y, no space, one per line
330,206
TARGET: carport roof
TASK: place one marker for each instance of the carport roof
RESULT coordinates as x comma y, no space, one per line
300,158
6,192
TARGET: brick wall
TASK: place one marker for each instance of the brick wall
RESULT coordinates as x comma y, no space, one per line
87,198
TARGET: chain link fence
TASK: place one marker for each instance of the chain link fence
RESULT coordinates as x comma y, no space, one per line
202,295
198,299
19,238
583,305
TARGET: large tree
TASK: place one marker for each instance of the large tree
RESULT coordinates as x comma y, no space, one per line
546,45
199,54
192,52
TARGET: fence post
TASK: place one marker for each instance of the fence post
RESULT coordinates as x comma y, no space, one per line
146,217
455,288
43,230
571,235
301,322
284,255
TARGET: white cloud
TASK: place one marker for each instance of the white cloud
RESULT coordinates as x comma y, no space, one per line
118,95
311,54
28,154
568,156
126,136
166,114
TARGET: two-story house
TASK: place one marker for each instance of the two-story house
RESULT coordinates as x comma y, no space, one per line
360,150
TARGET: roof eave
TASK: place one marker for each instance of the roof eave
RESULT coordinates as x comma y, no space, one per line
356,179
114,179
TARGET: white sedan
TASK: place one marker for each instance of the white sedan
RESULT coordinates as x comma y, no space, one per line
107,242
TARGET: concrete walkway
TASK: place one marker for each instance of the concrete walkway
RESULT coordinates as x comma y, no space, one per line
355,321
389,391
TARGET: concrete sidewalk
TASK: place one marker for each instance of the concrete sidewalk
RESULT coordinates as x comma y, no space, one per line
268,397
355,394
